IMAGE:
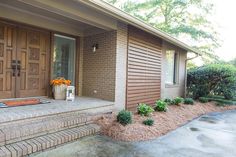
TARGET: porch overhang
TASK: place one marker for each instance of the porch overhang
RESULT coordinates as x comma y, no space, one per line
62,16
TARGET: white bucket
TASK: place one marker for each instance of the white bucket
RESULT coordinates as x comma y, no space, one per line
59,92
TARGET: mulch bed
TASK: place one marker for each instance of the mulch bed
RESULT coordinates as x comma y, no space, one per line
165,122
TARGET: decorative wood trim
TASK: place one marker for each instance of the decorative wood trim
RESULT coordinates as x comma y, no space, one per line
50,62
77,62
144,61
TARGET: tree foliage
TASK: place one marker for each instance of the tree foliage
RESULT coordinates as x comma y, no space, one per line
214,79
185,19
233,62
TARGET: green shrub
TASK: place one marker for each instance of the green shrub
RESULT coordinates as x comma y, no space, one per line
172,102
188,101
216,79
228,94
220,104
203,100
161,106
216,98
124,117
225,101
144,109
177,100
148,122
167,100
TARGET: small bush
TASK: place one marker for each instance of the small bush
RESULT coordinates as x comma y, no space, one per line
148,122
124,117
188,101
172,102
167,100
144,109
177,100
161,106
203,100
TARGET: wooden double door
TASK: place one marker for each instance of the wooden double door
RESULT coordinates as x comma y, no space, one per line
24,61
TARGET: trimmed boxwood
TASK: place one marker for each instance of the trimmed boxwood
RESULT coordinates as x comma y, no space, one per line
124,117
148,122
188,101
203,100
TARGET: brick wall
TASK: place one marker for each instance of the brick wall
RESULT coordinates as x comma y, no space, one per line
99,67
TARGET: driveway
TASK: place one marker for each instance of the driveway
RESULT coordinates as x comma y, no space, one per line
212,135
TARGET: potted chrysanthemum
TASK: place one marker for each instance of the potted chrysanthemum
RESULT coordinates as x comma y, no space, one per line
59,88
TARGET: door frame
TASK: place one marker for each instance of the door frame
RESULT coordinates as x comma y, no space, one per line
51,50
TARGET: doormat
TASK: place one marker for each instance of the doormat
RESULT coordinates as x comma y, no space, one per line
21,102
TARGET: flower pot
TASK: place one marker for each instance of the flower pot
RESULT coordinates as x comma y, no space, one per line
59,92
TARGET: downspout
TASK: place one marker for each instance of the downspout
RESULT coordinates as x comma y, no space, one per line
185,79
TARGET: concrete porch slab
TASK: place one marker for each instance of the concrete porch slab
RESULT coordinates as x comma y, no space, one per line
81,104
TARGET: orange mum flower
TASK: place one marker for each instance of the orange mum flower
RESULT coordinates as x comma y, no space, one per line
60,81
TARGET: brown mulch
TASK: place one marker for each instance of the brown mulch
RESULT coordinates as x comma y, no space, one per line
164,122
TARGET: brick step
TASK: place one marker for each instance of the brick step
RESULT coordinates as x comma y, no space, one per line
8,115
22,130
41,143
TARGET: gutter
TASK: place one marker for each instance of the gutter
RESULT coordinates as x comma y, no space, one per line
185,75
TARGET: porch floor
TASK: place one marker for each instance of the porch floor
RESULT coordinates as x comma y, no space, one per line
80,104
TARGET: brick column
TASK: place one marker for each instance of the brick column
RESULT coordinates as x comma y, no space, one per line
121,66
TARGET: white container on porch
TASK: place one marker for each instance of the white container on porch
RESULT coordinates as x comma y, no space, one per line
60,92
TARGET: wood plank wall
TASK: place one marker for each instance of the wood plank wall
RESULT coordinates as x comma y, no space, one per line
144,68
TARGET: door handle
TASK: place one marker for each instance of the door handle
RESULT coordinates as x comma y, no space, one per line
18,70
14,66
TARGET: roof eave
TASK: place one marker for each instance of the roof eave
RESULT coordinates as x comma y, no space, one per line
125,17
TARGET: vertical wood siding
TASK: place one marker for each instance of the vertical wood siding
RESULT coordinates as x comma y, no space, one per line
144,69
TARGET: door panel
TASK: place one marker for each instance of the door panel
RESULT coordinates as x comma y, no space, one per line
7,54
32,52
24,61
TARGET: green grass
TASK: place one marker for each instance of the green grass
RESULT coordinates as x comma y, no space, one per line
221,99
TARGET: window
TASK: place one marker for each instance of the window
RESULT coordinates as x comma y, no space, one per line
171,67
64,57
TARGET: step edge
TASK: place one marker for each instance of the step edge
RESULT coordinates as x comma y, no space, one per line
86,130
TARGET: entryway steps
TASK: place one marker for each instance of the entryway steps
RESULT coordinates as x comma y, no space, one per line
22,130
52,140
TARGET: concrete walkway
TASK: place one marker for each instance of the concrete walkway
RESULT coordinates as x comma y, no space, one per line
212,135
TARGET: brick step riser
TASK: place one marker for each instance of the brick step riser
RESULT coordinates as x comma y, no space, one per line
40,118
22,132
50,141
